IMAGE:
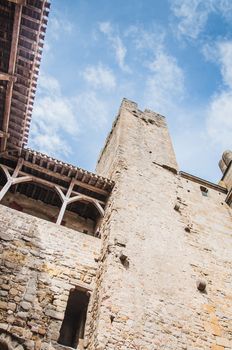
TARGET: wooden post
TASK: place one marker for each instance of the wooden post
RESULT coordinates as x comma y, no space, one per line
13,180
5,189
66,199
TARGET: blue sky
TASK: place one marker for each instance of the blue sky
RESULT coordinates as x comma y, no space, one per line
174,57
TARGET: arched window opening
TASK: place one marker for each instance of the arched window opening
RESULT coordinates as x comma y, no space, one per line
82,216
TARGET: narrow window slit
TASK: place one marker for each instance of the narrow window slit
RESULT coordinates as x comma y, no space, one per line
73,325
204,191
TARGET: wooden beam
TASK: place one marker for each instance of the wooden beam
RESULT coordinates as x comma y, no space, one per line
48,183
12,179
85,198
5,189
7,77
3,134
67,199
35,61
19,2
62,177
11,70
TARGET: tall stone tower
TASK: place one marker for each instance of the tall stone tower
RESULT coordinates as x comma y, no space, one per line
164,280
136,256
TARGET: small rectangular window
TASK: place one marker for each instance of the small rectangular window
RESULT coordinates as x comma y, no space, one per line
73,326
204,191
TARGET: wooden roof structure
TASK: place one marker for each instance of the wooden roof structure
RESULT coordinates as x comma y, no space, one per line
22,31
46,179
36,175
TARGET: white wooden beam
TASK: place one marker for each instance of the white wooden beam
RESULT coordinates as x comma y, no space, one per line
67,199
13,179
84,198
64,199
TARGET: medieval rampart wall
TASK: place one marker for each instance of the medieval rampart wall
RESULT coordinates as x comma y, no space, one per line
40,263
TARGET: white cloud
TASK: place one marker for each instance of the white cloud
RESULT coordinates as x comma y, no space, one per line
48,84
224,7
193,15
100,76
146,39
225,57
219,110
219,116
165,84
116,43
221,53
92,109
106,28
219,120
51,144
58,26
52,117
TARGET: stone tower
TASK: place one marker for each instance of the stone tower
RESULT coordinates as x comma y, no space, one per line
134,256
164,280
144,261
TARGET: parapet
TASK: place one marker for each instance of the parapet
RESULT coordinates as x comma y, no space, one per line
133,107
148,117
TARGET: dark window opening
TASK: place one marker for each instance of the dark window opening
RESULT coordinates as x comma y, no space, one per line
73,326
3,345
204,191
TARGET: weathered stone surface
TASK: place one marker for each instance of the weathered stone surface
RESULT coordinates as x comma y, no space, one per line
37,276
6,236
153,304
156,302
224,342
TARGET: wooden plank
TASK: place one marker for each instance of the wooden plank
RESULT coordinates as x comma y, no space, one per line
7,77
18,2
33,69
11,70
15,38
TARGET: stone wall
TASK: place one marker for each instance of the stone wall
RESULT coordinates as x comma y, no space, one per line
40,263
160,236
153,255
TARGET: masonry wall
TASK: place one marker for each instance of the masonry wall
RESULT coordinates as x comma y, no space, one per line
40,263
146,296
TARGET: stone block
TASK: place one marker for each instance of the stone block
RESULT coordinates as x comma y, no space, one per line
223,342
6,236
